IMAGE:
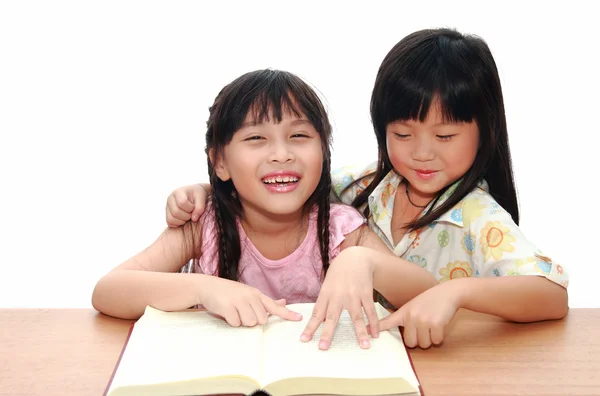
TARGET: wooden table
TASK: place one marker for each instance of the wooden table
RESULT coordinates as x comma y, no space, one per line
73,352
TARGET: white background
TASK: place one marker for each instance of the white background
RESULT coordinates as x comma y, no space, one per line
103,108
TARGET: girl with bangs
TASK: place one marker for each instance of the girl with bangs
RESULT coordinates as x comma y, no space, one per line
441,194
269,235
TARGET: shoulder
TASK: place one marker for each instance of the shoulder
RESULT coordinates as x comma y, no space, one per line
343,178
500,246
343,221
476,207
479,207
344,216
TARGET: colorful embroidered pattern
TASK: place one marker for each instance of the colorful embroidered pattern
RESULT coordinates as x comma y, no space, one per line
477,237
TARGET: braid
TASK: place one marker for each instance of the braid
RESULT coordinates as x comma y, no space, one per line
228,237
324,204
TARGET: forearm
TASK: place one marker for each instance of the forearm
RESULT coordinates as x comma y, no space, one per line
126,293
398,280
515,298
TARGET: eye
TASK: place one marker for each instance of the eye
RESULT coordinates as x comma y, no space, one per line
401,136
253,138
300,135
444,137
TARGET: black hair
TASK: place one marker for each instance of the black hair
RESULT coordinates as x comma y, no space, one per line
459,71
267,95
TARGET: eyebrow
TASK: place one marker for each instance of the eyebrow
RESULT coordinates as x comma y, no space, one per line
301,121
434,125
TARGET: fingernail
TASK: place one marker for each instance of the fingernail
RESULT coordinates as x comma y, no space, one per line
323,345
365,343
304,337
297,315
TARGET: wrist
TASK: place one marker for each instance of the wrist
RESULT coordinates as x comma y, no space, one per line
368,256
201,287
459,290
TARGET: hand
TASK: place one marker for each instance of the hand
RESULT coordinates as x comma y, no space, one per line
185,203
348,285
242,305
425,316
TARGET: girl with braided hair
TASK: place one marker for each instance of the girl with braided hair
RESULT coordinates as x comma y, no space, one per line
270,234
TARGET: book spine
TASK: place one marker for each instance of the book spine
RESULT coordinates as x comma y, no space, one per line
412,364
119,360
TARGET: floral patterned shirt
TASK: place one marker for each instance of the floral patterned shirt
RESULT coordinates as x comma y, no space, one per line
475,238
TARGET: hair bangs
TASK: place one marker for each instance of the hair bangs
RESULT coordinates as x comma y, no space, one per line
272,104
433,83
266,96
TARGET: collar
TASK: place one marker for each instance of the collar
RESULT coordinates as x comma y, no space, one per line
383,192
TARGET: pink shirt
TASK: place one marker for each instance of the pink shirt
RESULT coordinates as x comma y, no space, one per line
297,277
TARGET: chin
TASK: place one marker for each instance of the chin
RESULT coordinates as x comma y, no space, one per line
279,207
284,210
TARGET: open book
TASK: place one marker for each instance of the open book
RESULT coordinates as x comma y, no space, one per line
196,353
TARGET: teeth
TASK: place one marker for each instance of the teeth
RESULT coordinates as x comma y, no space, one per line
280,179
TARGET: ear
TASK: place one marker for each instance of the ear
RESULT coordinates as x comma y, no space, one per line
219,165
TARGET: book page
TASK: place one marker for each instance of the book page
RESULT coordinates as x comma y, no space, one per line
180,346
285,356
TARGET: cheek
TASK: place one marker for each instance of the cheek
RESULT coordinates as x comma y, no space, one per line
243,164
315,155
461,157
397,153
314,165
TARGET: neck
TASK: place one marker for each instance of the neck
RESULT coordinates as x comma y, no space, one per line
418,198
256,221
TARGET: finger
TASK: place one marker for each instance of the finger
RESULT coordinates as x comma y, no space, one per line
424,337
183,202
247,315
172,221
281,302
279,310
394,320
332,317
175,213
410,336
199,203
369,307
316,319
259,312
360,327
437,335
232,317
199,209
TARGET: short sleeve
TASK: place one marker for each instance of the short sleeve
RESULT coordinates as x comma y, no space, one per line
343,220
342,178
501,249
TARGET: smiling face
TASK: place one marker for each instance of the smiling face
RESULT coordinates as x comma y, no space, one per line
274,166
432,154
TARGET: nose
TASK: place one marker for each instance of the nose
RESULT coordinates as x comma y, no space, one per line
423,151
281,152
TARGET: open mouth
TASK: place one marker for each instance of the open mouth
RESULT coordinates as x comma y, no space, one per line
280,180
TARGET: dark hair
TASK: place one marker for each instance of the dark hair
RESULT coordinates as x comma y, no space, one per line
460,71
268,94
